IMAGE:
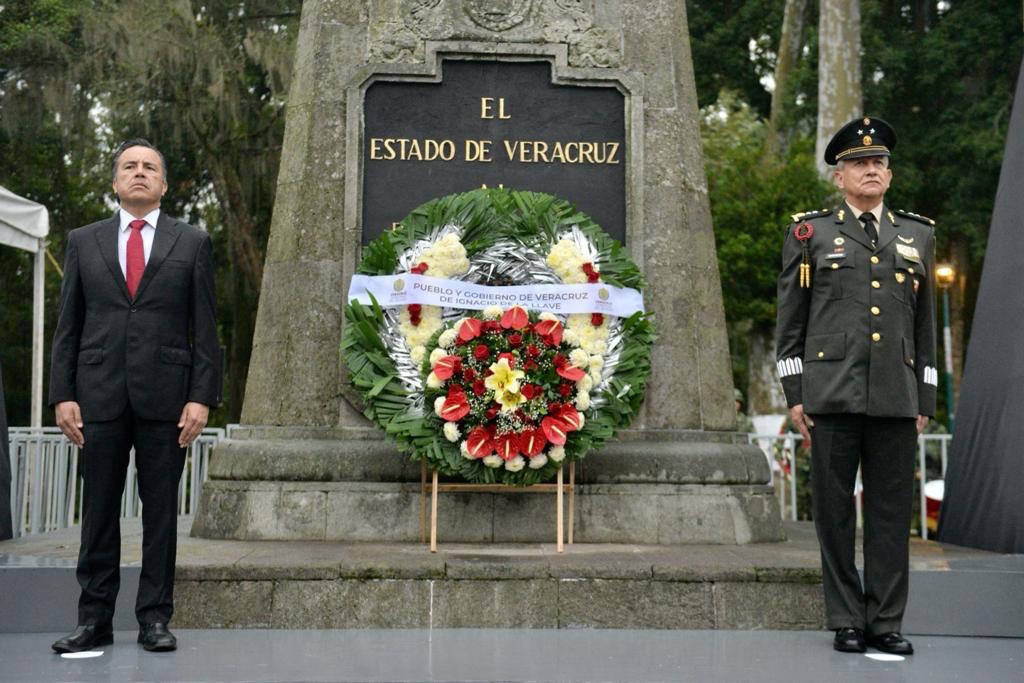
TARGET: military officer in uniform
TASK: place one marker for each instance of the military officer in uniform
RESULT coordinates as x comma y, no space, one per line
856,356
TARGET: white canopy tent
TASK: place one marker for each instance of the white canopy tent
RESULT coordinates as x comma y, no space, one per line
25,225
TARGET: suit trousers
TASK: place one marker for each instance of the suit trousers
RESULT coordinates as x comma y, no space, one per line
884,448
159,462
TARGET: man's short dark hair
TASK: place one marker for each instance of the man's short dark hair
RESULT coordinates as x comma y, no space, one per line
136,142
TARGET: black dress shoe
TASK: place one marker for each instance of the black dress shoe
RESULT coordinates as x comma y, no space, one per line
156,638
893,643
849,640
85,637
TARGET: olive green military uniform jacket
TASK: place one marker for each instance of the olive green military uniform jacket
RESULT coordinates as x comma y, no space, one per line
861,338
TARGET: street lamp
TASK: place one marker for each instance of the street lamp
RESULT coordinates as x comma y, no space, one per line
945,275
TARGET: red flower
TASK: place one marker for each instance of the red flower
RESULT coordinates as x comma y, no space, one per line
564,389
530,365
567,371
507,446
414,320
555,430
479,443
588,268
596,319
532,441
509,357
415,309
455,407
515,340
515,318
550,331
570,416
492,326
470,329
420,268
492,412
532,351
468,374
553,409
479,388
447,366
481,352
531,391
593,277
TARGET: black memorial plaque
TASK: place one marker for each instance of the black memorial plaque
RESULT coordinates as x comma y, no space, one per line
497,124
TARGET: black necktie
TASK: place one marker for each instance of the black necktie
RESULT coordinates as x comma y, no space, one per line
868,219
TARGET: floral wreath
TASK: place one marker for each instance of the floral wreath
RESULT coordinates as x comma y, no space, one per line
502,395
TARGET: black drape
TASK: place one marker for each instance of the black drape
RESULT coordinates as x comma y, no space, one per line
6,530
984,497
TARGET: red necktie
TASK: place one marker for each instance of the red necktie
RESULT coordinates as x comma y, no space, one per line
135,257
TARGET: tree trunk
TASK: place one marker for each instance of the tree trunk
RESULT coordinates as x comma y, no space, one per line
790,43
840,96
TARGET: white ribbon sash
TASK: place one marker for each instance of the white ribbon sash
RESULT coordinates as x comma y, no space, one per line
406,288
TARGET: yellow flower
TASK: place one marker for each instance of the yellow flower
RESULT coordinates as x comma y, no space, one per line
504,382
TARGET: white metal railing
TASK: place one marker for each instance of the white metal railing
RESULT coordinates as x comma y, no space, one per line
46,490
781,451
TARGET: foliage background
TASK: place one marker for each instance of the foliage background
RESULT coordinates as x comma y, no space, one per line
207,81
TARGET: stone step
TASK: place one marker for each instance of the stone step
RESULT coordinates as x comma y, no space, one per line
309,584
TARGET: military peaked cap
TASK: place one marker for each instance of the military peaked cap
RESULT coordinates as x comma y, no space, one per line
864,137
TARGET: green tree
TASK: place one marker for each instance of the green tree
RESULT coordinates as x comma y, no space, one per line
205,81
751,200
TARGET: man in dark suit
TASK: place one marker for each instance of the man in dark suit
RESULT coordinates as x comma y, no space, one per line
135,363
856,355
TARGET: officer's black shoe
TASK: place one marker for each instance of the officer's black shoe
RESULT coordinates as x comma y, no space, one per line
85,637
849,640
157,638
893,643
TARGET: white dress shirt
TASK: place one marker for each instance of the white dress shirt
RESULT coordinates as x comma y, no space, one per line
148,231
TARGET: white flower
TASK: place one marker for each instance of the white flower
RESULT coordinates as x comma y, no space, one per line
578,358
436,355
492,312
515,464
582,400
596,376
447,338
417,353
596,362
583,420
557,453
493,460
585,383
438,404
433,381
538,461
571,338
451,431
464,449
548,316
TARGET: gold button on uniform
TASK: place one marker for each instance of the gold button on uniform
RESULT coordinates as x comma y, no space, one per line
875,310
910,270
874,259
821,354
876,337
876,284
835,266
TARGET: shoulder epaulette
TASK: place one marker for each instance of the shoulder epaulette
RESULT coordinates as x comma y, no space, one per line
915,216
805,215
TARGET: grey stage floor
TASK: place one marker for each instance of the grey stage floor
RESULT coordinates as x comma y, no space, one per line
511,655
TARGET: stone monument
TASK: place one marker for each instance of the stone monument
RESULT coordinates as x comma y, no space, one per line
395,102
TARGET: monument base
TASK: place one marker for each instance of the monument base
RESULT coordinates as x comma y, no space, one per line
650,487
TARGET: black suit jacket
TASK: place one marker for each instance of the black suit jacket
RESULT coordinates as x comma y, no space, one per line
153,352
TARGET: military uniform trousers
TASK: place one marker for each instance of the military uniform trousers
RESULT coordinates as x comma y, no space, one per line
884,448
103,465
